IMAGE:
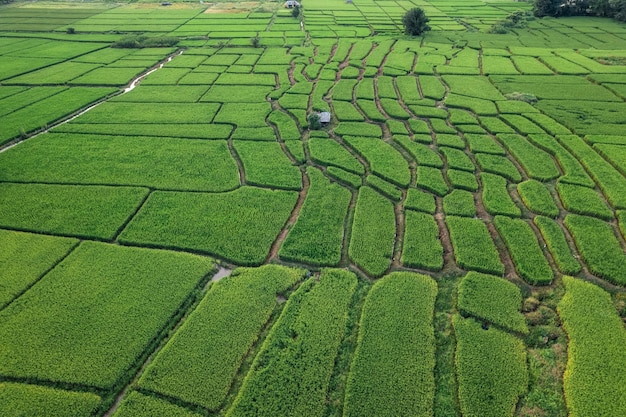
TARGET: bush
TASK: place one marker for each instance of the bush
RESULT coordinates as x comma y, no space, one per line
140,41
314,122
415,22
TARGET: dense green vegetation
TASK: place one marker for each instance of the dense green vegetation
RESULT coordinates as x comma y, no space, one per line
290,376
218,334
373,231
392,369
106,304
596,360
491,369
121,168
492,299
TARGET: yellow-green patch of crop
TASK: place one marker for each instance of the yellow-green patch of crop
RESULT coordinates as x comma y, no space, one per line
373,232
85,211
34,400
165,163
91,319
492,299
392,369
491,369
292,372
594,381
317,236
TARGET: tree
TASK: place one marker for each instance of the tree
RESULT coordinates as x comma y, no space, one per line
415,22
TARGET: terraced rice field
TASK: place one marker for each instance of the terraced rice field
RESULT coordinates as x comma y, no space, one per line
175,240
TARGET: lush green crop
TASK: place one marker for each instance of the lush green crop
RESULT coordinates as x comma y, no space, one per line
384,160
136,404
492,299
574,171
242,114
56,74
266,164
172,130
365,89
317,236
343,90
392,369
371,110
599,247
431,87
291,373
330,153
25,257
200,361
521,124
422,246
407,86
457,159
106,303
431,179
537,163
531,65
498,65
358,129
84,211
537,198
583,200
346,112
524,248
495,196
26,97
35,400
491,369
477,105
450,140
495,125
500,165
459,203
385,188
44,112
115,112
478,87
557,245
594,381
239,226
423,154
373,232
473,247
608,178
420,201
484,144
548,124
165,163
462,179
351,179
394,109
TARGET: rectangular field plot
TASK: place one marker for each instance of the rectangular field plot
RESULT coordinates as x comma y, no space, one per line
239,226
392,368
49,110
199,363
116,160
171,130
151,113
92,318
473,247
25,257
291,373
33,400
84,211
317,236
136,404
265,164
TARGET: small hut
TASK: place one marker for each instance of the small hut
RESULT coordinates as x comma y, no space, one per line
324,117
290,4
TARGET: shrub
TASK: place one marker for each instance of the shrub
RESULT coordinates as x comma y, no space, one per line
141,41
415,22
